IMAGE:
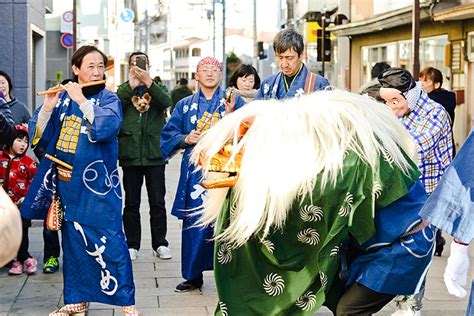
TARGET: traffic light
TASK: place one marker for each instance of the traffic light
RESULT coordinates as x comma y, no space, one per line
327,45
261,51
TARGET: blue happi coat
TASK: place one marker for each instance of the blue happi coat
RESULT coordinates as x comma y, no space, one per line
94,190
190,113
451,206
274,86
391,264
97,266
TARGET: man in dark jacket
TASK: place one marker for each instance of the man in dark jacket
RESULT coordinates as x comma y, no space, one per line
180,92
143,105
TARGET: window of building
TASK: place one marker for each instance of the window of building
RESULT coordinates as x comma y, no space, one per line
390,5
399,54
374,54
196,52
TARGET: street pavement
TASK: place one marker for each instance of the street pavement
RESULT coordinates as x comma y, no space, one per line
155,279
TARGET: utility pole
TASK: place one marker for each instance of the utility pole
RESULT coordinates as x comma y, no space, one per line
323,38
74,25
170,39
416,38
213,28
323,49
147,31
224,59
255,44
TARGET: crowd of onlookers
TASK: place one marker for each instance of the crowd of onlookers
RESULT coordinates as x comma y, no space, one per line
141,127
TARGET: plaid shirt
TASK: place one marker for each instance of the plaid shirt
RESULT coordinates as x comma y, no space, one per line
429,125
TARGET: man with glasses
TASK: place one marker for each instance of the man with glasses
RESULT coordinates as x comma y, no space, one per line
428,123
190,118
294,78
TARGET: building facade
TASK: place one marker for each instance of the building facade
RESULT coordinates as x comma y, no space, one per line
23,53
382,31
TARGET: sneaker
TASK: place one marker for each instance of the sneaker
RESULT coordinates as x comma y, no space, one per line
30,265
51,265
163,252
16,269
133,253
187,286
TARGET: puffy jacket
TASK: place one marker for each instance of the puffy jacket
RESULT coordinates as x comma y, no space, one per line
139,137
16,174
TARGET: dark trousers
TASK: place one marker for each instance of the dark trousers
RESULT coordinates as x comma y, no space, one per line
23,253
360,300
51,244
155,186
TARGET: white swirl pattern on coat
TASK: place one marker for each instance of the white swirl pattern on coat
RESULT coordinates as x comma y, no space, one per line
273,284
306,301
95,171
311,213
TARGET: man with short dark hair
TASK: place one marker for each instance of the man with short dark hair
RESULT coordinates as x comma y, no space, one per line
294,78
143,104
372,87
378,69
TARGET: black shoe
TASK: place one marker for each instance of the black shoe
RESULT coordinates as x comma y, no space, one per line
439,250
187,286
440,242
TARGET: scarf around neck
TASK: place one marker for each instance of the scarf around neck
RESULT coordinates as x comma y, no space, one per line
413,95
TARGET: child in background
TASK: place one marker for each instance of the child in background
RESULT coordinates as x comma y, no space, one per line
16,173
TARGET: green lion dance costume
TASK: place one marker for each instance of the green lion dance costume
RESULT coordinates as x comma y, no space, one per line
308,174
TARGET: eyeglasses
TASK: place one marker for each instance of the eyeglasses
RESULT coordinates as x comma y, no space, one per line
213,71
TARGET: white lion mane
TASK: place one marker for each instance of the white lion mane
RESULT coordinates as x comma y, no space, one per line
289,145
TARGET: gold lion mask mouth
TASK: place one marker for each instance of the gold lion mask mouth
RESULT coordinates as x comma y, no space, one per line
224,171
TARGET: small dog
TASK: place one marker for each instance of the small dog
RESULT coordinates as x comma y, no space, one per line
141,103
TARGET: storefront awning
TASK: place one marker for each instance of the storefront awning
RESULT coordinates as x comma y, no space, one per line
461,12
380,22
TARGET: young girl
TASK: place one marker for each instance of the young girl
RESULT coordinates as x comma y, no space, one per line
16,173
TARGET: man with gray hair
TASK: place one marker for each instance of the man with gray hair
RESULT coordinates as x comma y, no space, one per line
294,78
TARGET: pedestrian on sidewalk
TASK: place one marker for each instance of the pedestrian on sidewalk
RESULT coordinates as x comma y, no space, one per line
180,92
372,88
193,115
51,244
16,173
432,81
79,127
19,111
7,128
144,102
